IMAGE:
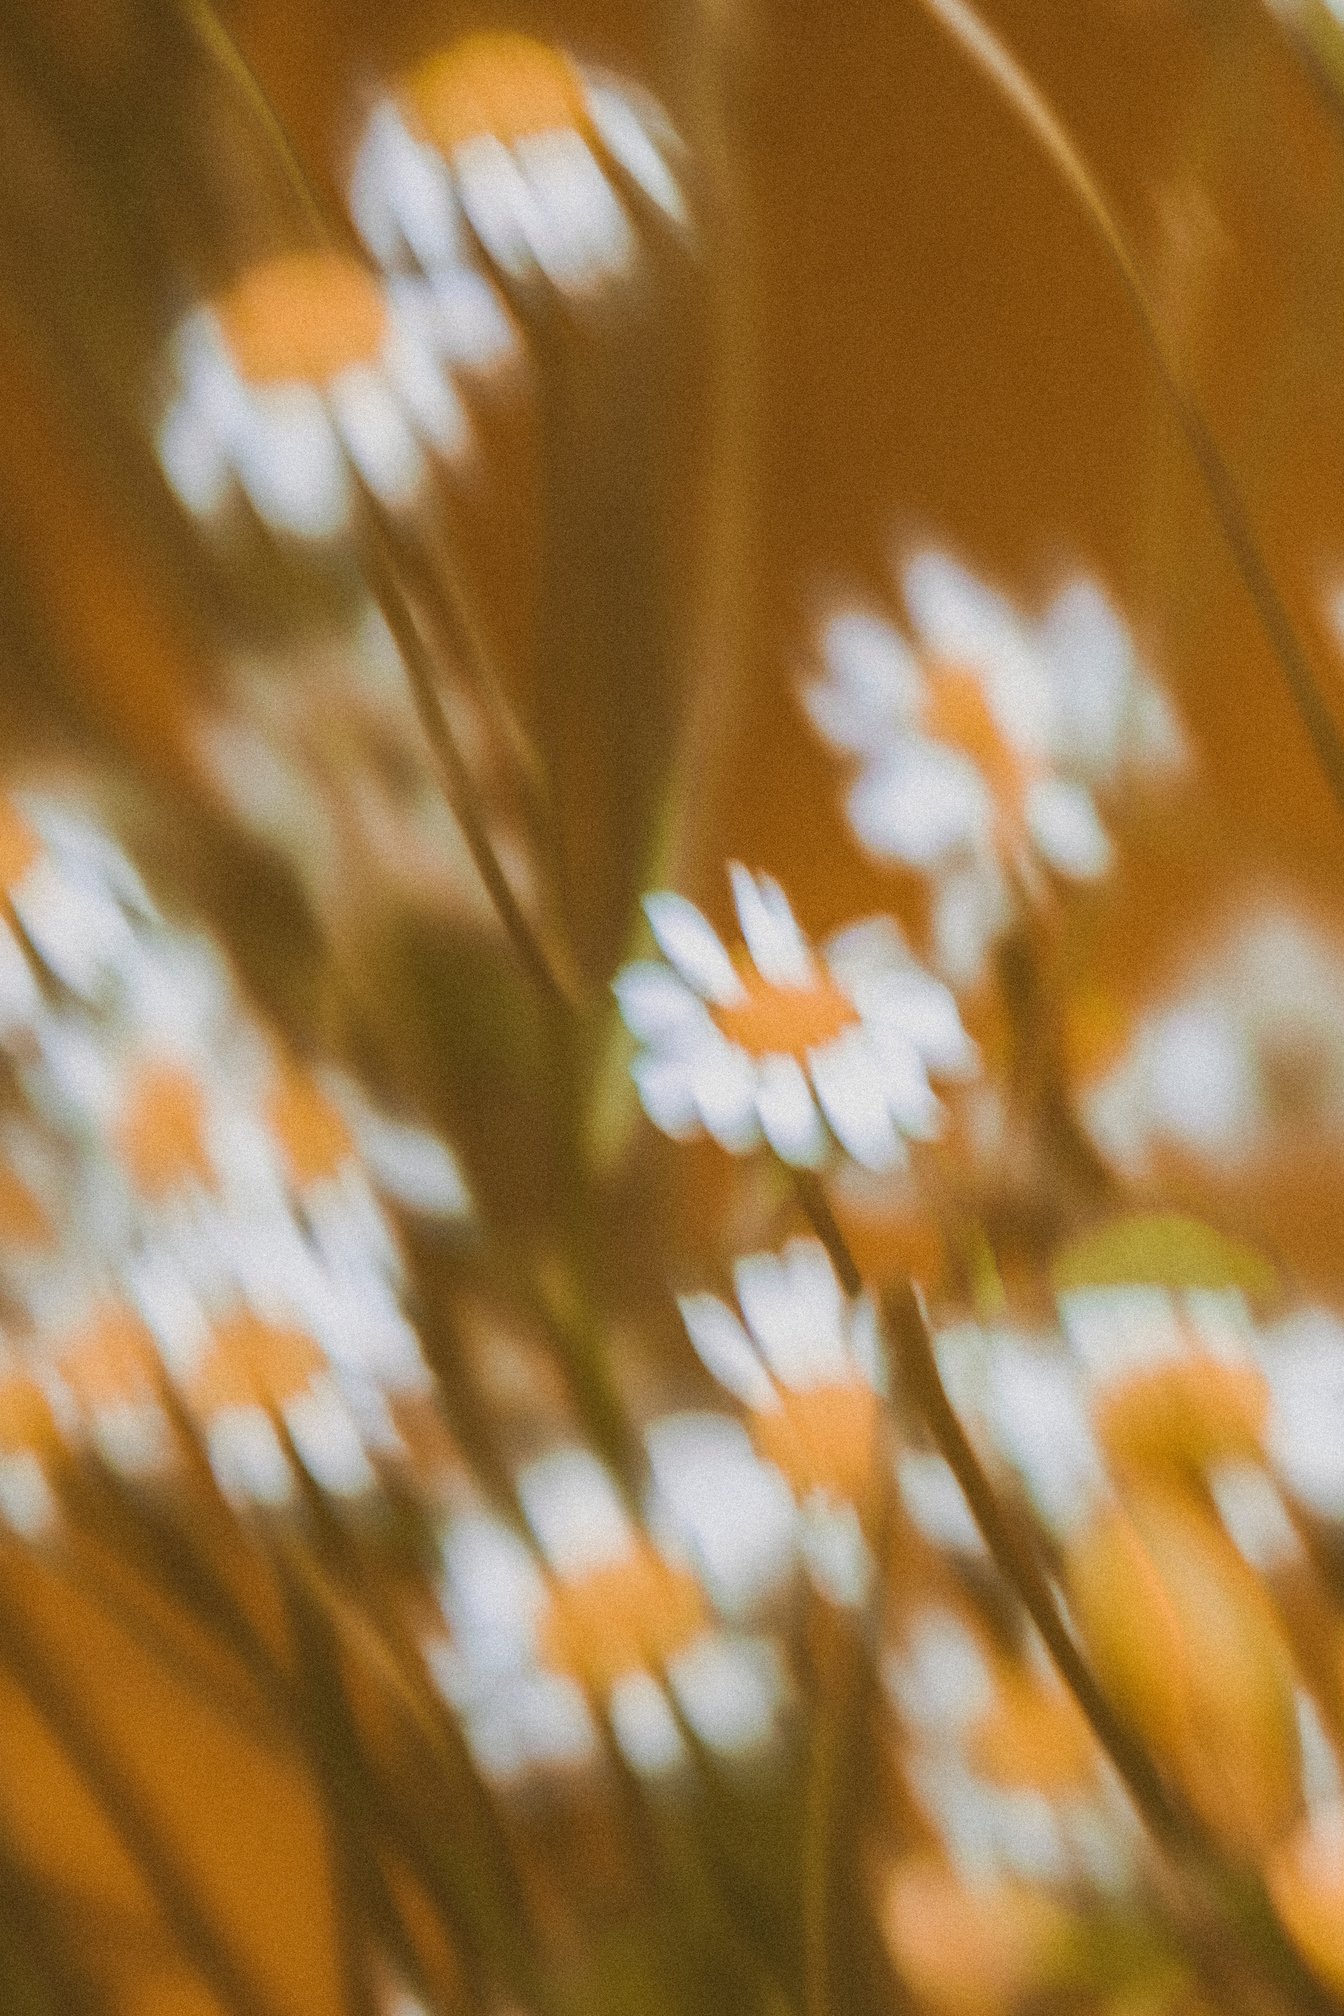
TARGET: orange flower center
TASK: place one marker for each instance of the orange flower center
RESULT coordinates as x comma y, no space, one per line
26,1420
112,1361
1183,1415
824,1439
505,85
303,315
314,1137
957,712
628,1618
252,1363
19,846
24,1223
785,1020
162,1132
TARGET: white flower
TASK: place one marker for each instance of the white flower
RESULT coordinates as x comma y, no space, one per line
504,146
1245,1060
306,379
806,1363
589,1619
784,1044
981,745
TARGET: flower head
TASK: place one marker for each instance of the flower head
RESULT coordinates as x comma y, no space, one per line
983,741
505,146
307,378
805,1362
778,1041
589,1617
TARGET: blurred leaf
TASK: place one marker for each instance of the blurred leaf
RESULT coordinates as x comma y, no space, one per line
1162,1249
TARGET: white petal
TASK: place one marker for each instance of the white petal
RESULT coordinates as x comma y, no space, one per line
493,1594
838,1557
920,803
291,464
971,909
473,329
580,235
715,1501
690,942
723,1347
644,1726
967,623
328,1443
20,996
575,1511
724,1082
656,1005
630,143
911,1101
667,1094
871,661
731,1691
247,1457
788,1113
778,948
854,1097
426,390
792,1309
911,1003
193,459
936,1504
500,204
27,1502
377,438
1064,825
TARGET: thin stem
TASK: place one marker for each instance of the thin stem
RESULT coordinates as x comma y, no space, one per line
455,778
997,64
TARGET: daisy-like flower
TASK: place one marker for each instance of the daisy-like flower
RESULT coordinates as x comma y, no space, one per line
806,1363
591,1620
778,1041
983,741
505,146
307,378
1246,1059
321,754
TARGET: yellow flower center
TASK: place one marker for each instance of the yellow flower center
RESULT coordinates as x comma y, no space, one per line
631,1617
252,1363
509,86
24,1223
19,846
112,1360
162,1132
315,1139
303,316
824,1439
957,712
26,1420
786,1021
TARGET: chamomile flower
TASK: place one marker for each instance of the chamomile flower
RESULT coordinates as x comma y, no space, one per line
805,1362
778,1042
589,1620
306,379
983,740
503,146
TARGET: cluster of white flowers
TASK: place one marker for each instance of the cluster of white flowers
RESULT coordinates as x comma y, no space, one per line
983,741
183,1200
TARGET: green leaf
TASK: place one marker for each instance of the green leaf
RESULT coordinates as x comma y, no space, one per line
1161,1249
